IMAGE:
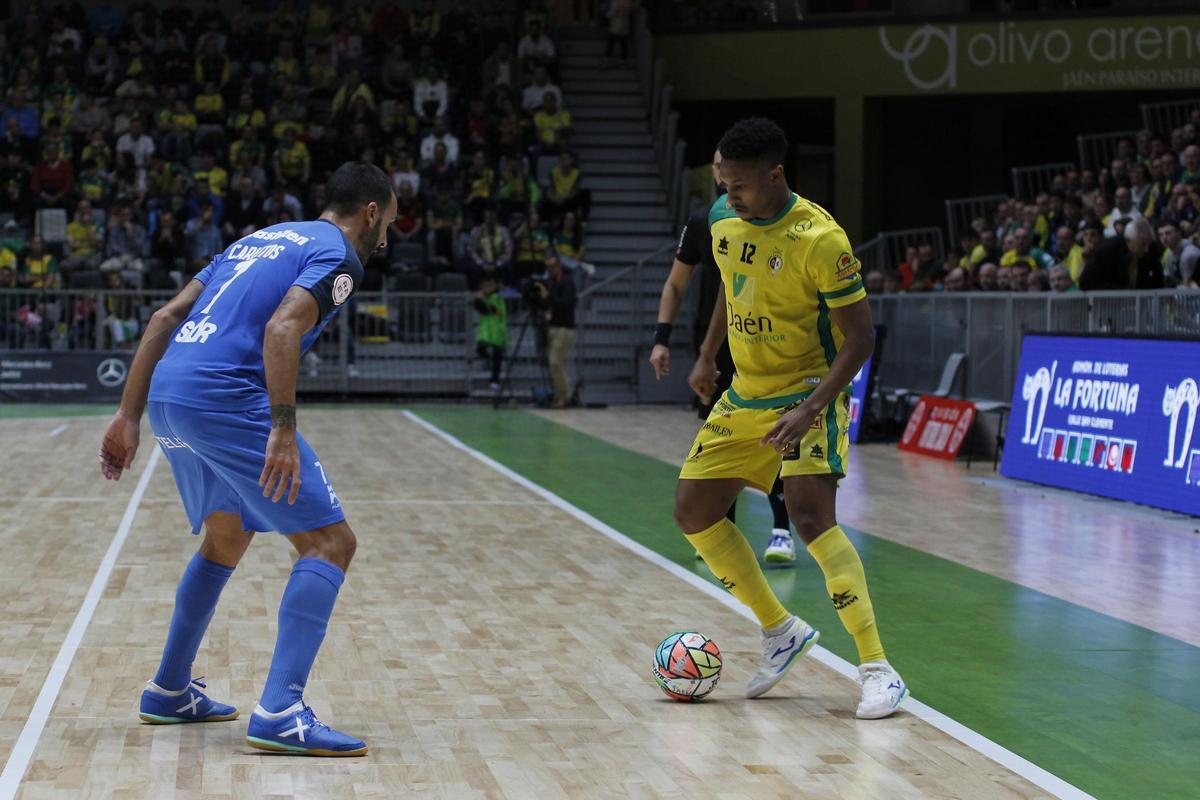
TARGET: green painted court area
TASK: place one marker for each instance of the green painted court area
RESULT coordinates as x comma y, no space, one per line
1108,706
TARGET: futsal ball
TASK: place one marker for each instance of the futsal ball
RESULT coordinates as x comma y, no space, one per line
687,666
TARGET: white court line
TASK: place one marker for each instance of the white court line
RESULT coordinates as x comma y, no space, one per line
1004,757
22,752
54,433
402,502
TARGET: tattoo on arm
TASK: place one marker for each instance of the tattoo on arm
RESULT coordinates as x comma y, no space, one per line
283,417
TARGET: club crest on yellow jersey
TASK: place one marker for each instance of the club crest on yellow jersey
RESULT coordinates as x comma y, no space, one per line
775,262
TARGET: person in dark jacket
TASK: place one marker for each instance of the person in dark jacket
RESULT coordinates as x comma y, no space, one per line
1132,261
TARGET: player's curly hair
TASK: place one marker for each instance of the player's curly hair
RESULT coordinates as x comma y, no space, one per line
754,139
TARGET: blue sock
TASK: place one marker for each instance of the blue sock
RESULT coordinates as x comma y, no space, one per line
195,601
307,603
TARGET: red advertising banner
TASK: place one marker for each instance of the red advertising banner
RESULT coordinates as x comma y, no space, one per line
938,426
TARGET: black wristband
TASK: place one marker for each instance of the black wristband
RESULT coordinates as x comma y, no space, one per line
662,334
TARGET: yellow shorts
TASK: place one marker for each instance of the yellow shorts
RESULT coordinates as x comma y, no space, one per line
727,446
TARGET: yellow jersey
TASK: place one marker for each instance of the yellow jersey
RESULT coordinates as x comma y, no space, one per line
782,276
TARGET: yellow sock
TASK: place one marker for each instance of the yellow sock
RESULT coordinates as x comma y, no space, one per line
733,561
847,585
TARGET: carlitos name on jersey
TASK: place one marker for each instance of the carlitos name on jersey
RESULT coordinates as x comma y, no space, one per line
195,331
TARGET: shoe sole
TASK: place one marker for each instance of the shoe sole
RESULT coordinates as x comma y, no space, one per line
779,558
791,662
155,719
293,750
886,712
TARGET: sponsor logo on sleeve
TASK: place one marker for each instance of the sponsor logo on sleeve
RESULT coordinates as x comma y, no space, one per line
343,285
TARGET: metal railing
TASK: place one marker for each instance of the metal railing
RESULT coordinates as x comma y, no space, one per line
1097,150
924,329
669,149
886,250
961,211
1028,181
1162,118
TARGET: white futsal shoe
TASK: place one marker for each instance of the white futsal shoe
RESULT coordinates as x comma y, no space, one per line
780,653
883,690
781,548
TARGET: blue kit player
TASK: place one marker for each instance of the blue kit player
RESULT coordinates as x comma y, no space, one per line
216,369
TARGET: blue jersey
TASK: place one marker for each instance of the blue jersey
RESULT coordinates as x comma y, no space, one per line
215,358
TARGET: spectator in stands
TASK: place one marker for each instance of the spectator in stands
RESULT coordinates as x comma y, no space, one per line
282,201
874,282
431,96
1191,164
1139,187
968,245
53,180
168,251
1035,281
987,273
409,224
243,210
956,280
120,312
501,68
536,49
292,162
39,269
1061,280
891,282
510,128
569,245
491,249
1023,252
491,332
620,16
396,76
85,240
203,237
1123,210
479,185
532,243
1004,281
907,268
439,135
1184,207
100,68
441,172
517,190
553,125
535,93
443,224
136,144
404,172
564,193
127,245
1132,261
1181,258
1019,276
1068,253
927,271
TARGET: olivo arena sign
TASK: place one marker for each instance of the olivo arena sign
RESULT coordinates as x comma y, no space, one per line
1077,54
1107,56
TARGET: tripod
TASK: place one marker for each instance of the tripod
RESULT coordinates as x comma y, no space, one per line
506,391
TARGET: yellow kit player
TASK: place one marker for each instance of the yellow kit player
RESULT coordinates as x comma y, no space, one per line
793,306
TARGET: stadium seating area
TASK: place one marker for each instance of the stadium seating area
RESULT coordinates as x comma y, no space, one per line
137,142
1046,241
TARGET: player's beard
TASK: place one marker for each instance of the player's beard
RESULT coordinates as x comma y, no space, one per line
366,246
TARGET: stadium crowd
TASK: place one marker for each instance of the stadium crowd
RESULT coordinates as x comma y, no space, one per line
137,142
1133,225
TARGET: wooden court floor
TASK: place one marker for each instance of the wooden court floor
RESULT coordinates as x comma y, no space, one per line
487,643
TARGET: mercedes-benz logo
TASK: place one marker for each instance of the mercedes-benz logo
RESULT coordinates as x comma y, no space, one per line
111,372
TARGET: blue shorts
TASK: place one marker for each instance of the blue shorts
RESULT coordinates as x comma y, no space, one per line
217,458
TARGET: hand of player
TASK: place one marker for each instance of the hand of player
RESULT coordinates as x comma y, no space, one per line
119,446
791,427
703,378
660,359
281,467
